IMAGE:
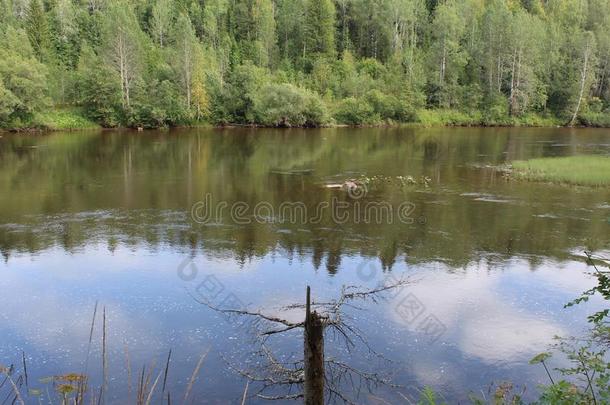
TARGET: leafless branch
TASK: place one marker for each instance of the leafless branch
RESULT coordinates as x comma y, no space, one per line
271,374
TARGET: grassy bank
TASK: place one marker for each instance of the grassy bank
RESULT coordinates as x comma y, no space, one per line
60,119
443,117
595,119
586,170
74,118
64,119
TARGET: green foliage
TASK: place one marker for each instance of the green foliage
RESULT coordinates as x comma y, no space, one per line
98,90
22,80
284,105
235,101
388,107
588,364
443,117
37,28
8,104
64,119
602,288
496,110
587,170
563,393
587,357
319,28
595,119
355,111
496,62
428,397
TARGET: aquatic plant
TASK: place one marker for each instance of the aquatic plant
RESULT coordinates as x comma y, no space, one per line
586,170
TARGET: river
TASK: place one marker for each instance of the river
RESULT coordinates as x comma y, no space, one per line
146,223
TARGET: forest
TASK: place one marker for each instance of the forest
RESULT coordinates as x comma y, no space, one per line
158,63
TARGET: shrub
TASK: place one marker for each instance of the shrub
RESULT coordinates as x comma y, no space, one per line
536,120
98,90
235,102
595,119
371,67
285,105
57,119
384,105
447,117
388,107
496,110
23,79
355,111
163,106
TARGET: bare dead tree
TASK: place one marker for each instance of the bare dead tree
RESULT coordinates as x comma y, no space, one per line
314,377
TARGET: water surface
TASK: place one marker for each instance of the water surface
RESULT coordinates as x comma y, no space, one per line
107,217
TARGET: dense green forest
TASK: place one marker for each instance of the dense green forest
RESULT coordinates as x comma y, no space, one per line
154,63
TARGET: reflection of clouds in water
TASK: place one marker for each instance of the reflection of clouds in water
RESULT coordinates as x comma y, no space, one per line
494,316
500,334
483,323
56,323
47,305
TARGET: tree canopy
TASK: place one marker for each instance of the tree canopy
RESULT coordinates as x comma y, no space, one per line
289,62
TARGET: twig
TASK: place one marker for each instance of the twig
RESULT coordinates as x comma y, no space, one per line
15,389
169,356
194,376
243,398
152,390
25,370
104,359
128,365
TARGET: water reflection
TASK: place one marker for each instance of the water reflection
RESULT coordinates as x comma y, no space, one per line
106,216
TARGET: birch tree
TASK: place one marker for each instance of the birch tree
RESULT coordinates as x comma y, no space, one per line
496,23
406,19
588,49
525,61
162,15
186,46
122,48
264,30
447,54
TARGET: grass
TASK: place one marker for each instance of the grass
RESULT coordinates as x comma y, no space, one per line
76,388
63,119
445,117
595,119
584,170
449,117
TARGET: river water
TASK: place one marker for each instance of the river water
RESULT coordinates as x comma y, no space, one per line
147,224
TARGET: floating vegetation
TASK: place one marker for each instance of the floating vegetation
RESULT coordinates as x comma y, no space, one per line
363,182
584,170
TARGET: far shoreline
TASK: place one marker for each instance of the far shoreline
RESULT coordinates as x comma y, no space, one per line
415,125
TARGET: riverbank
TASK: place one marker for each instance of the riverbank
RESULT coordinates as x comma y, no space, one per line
69,119
60,119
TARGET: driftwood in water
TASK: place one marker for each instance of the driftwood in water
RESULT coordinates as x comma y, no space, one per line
313,388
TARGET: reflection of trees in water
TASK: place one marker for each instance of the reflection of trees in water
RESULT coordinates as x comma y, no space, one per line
126,189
